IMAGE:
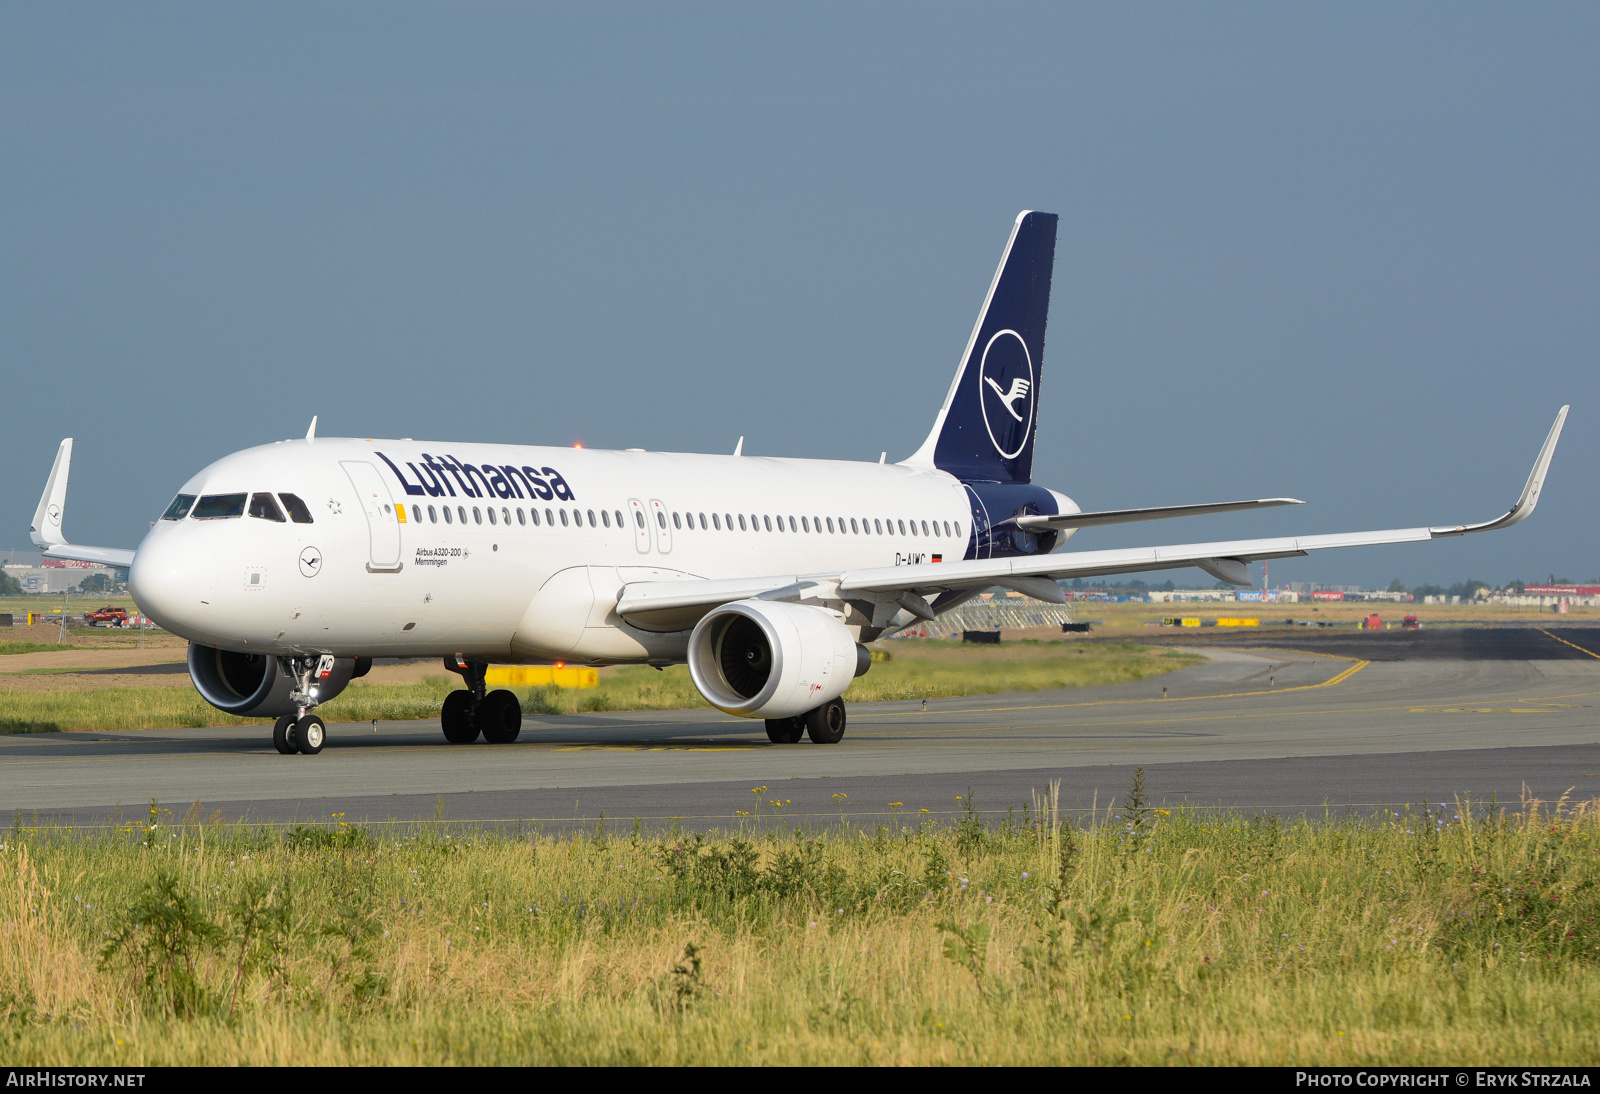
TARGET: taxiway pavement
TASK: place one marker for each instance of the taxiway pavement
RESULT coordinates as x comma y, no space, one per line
1256,730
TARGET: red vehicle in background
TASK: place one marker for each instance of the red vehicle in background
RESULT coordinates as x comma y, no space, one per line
107,617
1411,623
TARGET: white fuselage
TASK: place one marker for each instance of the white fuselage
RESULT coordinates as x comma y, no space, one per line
509,577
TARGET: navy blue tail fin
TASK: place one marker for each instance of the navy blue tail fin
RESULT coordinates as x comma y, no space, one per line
985,429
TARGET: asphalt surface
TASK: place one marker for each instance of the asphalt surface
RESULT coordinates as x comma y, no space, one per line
1256,730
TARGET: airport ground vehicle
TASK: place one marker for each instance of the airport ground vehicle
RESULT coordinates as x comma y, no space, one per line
107,616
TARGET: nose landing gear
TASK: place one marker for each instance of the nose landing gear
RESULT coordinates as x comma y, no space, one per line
302,731
467,713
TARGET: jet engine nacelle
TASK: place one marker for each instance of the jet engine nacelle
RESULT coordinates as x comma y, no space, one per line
255,685
761,659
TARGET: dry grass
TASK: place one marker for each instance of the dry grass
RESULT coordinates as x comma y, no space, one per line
1148,939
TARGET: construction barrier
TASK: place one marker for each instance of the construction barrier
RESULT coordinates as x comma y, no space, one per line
1238,622
540,676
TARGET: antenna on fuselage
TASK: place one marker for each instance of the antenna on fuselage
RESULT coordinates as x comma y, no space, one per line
738,449
311,434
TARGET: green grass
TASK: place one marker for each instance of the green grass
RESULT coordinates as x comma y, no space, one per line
32,647
1149,939
923,670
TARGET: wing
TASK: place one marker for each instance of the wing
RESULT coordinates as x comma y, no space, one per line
47,520
926,589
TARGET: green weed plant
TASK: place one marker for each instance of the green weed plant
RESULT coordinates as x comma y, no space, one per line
1455,935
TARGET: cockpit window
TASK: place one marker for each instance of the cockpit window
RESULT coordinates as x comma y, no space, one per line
297,508
219,506
179,507
262,505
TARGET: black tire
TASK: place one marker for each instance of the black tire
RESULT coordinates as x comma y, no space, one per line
283,737
785,731
460,728
499,716
310,734
825,725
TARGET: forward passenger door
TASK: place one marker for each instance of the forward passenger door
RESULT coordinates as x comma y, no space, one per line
383,527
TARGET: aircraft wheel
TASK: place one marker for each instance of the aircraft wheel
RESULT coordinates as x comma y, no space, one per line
785,731
459,726
283,737
310,734
825,725
499,716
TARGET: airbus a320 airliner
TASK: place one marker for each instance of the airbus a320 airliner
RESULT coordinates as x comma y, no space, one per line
289,566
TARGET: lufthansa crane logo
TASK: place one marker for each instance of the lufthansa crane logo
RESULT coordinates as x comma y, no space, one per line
1006,392
311,562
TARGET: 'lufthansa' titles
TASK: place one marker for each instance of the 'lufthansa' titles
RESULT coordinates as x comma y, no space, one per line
439,477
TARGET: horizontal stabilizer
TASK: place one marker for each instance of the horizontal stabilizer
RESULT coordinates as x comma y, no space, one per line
1064,521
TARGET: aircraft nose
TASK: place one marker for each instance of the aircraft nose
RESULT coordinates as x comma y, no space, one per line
172,582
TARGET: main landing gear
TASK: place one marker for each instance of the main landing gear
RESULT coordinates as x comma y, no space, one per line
495,714
824,725
302,732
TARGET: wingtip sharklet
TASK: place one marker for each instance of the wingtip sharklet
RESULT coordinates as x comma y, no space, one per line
45,531
1528,500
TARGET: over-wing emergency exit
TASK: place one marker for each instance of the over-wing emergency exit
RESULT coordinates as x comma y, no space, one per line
289,566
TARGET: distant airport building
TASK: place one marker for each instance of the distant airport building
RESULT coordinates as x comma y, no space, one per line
39,575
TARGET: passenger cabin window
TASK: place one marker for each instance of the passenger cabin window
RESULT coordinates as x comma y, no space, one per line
447,514
617,513
179,508
263,506
433,515
534,513
605,518
592,524
716,522
521,520
491,515
563,518
676,521
477,517
741,522
416,514
219,506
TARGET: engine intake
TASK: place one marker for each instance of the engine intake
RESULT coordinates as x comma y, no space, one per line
254,685
761,659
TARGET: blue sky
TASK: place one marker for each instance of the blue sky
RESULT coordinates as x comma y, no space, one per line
1346,253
